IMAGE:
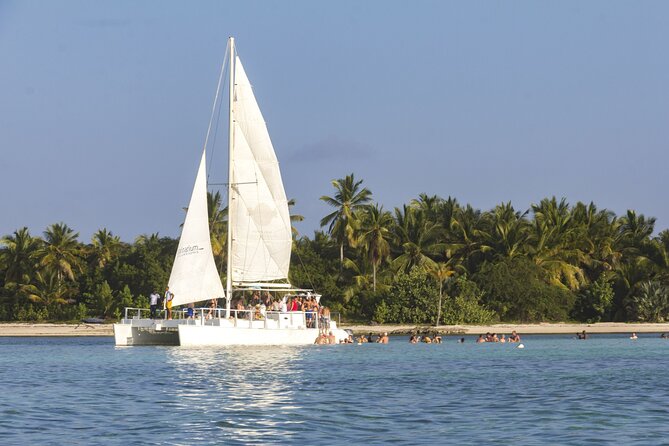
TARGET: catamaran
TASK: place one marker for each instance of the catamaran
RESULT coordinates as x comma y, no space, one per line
259,242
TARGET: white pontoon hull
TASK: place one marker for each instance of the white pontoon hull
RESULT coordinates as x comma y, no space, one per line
194,332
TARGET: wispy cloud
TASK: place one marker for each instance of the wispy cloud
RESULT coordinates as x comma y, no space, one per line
331,149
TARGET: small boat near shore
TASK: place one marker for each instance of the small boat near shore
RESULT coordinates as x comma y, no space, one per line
258,249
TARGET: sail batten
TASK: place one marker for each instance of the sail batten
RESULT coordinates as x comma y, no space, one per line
259,218
194,275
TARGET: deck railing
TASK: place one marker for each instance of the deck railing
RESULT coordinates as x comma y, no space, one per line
308,319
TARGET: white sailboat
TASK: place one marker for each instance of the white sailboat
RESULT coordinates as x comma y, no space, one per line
259,247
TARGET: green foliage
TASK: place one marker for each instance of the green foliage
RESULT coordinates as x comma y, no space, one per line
103,301
547,263
517,290
594,303
141,302
412,299
313,266
651,302
465,306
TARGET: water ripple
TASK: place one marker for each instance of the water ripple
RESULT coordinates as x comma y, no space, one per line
558,390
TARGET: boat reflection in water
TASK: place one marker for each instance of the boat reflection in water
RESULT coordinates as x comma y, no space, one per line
237,393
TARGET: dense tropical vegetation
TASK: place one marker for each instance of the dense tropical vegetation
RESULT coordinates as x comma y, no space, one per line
431,261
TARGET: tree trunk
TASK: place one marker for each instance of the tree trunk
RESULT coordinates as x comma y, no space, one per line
374,274
341,257
439,308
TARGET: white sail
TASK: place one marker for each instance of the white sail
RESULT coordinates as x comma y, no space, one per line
260,223
194,275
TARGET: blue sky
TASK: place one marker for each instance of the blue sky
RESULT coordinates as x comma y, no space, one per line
104,105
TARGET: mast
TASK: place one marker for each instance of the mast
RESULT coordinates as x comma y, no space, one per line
228,276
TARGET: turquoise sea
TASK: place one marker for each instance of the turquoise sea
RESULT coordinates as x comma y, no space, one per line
558,390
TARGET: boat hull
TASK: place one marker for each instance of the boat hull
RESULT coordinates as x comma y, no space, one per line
198,335
192,334
127,334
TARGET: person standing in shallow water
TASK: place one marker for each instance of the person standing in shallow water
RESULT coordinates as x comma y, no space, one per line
383,339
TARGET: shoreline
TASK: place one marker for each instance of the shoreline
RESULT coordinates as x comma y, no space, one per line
19,329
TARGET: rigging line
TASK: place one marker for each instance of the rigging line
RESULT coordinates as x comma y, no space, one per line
305,269
216,128
213,107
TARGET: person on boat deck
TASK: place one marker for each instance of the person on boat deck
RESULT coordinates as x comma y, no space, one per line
155,297
168,296
383,339
212,308
190,312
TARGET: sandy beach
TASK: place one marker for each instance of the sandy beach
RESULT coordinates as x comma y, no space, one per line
44,329
28,329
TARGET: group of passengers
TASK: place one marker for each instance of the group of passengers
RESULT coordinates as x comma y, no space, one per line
492,337
381,339
426,339
257,308
327,337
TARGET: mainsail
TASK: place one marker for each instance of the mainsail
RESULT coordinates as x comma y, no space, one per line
194,275
260,223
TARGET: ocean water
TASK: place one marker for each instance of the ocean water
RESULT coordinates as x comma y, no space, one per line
558,390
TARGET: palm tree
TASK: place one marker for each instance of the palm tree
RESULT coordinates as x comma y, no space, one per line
349,198
375,233
441,272
17,256
105,247
218,226
418,238
60,251
46,289
554,244
508,230
294,218
467,236
428,205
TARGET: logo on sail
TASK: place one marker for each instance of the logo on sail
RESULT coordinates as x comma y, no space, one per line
187,250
